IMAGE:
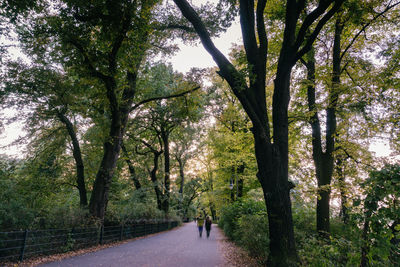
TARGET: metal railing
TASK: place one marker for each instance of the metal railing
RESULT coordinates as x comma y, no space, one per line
20,245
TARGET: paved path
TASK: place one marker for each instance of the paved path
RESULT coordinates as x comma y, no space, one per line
178,247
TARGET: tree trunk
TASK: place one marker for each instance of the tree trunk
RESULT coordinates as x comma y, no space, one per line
99,198
323,161
153,177
327,163
324,191
181,163
272,159
112,145
76,151
181,174
240,171
132,171
365,243
342,187
167,182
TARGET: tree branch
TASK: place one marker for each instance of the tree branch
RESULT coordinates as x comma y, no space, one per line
163,97
235,79
118,41
309,20
365,26
248,33
262,35
88,63
315,33
175,27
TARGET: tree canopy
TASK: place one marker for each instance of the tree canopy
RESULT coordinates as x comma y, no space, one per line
274,142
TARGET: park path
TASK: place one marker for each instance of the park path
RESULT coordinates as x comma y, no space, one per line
178,247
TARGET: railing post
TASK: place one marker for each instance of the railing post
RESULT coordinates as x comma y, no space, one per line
101,234
21,256
144,228
121,232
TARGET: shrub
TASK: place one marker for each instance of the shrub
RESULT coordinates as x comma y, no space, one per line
230,214
252,234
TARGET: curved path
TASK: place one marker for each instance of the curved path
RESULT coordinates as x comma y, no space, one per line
178,247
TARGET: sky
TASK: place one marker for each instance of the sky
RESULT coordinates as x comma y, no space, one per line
196,56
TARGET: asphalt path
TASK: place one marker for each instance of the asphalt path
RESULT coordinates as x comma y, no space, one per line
177,247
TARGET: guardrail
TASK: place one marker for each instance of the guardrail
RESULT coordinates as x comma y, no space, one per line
20,245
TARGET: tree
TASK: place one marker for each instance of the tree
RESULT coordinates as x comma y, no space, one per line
102,44
352,20
161,117
301,27
381,224
185,146
231,140
52,97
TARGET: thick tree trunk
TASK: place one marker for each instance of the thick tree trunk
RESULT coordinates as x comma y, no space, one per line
112,145
324,191
272,159
271,175
99,198
76,151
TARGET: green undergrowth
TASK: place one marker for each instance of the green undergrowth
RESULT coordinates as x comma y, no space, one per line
246,223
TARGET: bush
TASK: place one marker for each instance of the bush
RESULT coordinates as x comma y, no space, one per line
229,219
252,234
246,222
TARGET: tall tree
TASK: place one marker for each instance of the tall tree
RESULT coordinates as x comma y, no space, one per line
163,116
52,97
271,154
94,41
354,19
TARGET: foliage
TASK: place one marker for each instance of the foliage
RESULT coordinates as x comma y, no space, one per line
381,218
246,223
230,215
92,67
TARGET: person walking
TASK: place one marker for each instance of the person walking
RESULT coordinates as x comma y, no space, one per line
200,223
208,226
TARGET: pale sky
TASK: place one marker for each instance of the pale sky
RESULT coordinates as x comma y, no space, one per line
196,56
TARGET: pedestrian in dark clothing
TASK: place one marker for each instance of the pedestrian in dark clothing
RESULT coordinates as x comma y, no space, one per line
208,225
